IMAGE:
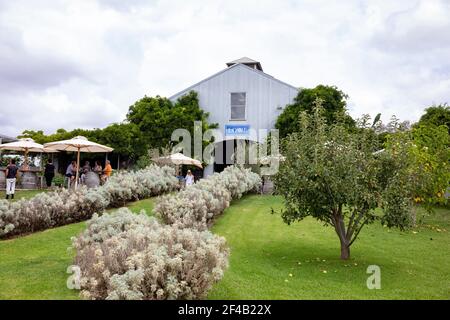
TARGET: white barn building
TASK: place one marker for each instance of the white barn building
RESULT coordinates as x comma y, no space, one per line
242,99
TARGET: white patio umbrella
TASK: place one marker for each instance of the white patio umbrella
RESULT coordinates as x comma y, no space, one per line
24,145
77,144
178,158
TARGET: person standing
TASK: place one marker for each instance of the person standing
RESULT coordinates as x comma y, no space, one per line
98,168
107,171
49,172
108,168
11,175
189,178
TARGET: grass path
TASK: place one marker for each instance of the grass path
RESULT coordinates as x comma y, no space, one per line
269,259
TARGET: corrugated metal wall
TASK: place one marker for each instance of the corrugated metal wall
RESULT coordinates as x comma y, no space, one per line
264,95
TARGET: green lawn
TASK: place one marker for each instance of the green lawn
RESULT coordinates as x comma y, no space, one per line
19,194
269,259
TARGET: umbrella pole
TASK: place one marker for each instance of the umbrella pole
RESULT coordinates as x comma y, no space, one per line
78,167
26,159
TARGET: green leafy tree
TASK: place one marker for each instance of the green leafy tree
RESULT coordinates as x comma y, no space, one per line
422,156
158,117
152,116
125,138
334,103
436,115
60,134
149,125
335,176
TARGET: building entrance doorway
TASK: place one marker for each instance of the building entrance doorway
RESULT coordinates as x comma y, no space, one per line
225,153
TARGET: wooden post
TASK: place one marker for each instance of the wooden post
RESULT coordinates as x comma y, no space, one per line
26,159
42,177
78,167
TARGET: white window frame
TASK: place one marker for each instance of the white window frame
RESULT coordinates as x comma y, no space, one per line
245,106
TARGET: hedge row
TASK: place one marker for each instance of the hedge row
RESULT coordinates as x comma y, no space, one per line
196,206
127,256
60,207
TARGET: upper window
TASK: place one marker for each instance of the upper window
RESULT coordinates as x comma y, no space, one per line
238,100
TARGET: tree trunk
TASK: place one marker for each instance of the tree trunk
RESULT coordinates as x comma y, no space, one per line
345,251
339,226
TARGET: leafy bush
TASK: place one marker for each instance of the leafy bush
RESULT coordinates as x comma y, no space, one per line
58,180
127,256
197,205
47,210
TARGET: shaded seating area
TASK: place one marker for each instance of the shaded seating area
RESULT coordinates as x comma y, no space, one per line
29,177
76,174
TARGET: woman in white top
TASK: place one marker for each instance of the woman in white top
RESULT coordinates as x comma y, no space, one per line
189,178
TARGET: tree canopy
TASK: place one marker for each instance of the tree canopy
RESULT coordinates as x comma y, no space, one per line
157,117
334,175
436,115
422,155
148,125
334,102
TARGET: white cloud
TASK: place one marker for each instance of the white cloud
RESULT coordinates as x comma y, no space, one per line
79,63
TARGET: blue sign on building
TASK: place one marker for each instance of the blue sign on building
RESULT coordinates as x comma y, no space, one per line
237,129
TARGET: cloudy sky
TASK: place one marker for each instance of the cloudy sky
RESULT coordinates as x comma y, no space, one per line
75,63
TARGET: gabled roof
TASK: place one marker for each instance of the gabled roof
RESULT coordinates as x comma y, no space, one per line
227,69
246,61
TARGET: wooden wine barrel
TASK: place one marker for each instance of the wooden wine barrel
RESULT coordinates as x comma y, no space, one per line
29,180
2,178
92,180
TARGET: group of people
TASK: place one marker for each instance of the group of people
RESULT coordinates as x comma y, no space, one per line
103,173
12,171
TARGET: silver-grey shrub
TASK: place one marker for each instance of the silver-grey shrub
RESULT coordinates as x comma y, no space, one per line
127,256
60,207
131,186
197,205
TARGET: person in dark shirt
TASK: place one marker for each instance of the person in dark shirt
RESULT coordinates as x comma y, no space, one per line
11,175
49,172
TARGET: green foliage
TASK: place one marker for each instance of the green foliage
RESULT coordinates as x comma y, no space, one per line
436,115
334,105
60,134
158,117
424,153
149,124
152,115
143,161
334,176
125,138
58,180
4,161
